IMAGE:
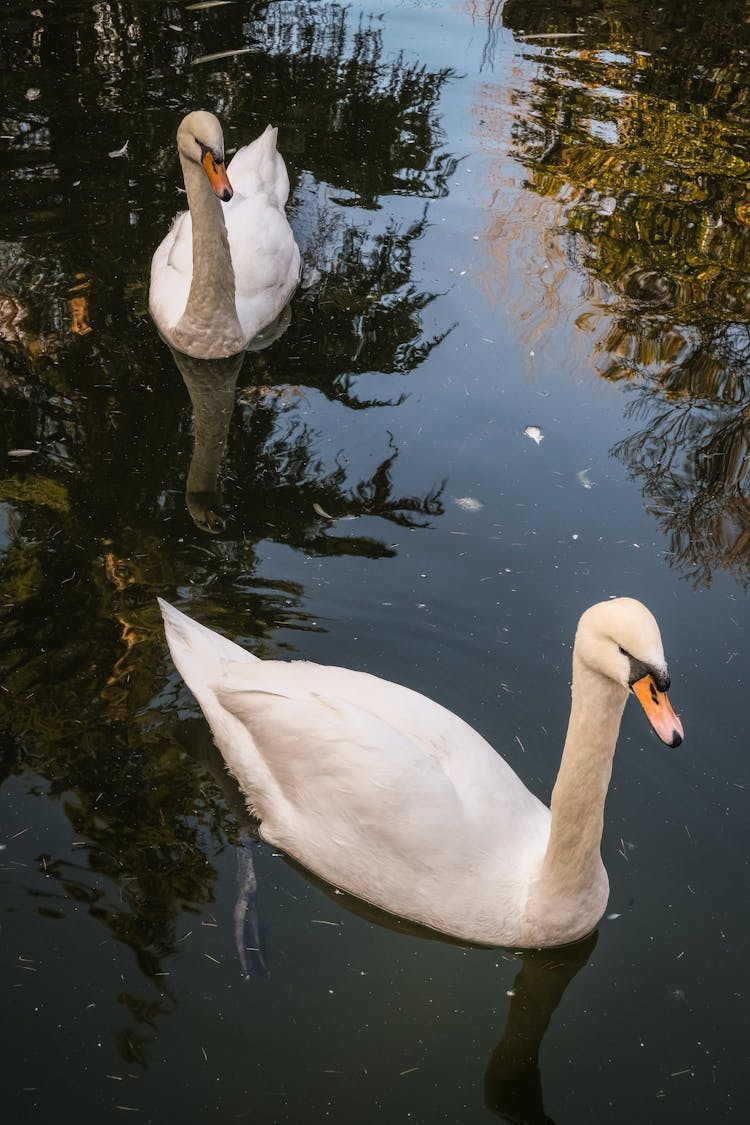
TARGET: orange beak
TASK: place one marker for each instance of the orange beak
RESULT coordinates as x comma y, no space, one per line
217,176
658,711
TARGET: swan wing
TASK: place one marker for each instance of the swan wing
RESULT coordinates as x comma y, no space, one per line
265,256
370,785
376,795
266,261
259,168
171,274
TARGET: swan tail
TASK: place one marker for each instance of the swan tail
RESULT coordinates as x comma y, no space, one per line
196,648
260,166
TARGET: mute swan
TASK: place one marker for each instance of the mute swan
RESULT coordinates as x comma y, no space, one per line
388,795
218,279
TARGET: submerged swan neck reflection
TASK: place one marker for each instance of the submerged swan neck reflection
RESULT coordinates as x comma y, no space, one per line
512,1081
211,384
386,794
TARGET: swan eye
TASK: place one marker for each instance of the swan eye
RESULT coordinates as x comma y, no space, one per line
216,161
638,670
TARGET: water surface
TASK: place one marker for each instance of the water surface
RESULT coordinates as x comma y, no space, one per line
533,217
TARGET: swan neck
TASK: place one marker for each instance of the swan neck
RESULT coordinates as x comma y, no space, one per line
211,308
573,852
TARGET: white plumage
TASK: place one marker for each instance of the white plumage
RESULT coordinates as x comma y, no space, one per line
386,794
230,263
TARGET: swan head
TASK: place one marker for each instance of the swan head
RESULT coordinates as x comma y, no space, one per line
621,640
200,139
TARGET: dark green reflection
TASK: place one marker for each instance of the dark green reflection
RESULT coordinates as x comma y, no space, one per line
105,448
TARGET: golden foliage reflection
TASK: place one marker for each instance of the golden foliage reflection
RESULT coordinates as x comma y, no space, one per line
620,173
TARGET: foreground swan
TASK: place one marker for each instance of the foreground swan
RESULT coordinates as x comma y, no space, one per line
218,278
387,795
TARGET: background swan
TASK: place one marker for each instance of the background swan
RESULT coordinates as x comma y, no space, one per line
218,278
388,795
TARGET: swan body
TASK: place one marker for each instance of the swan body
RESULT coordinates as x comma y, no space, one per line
230,263
388,795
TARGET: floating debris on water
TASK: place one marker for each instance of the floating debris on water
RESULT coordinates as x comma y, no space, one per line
119,151
310,277
534,433
583,479
220,55
319,510
551,35
468,503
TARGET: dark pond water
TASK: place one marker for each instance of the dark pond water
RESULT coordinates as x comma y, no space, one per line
529,215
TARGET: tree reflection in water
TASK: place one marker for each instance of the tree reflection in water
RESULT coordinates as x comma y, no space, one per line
635,142
94,519
282,485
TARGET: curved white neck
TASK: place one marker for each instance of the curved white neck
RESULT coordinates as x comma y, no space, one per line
572,882
211,304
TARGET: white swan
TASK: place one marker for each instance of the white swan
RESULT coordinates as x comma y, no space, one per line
218,279
388,795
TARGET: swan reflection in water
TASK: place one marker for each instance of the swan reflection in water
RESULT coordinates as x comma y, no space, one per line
302,494
211,384
512,1080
